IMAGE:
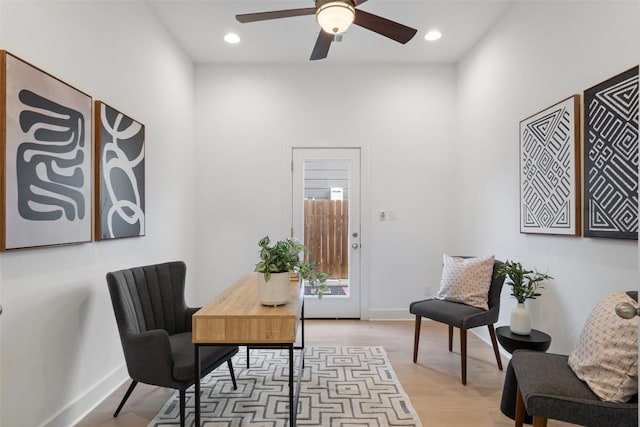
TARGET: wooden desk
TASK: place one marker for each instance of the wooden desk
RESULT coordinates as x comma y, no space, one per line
236,317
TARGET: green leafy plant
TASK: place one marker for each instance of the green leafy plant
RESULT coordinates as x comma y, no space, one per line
524,283
287,256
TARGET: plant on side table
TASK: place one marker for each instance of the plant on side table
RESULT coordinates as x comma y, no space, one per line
276,264
525,285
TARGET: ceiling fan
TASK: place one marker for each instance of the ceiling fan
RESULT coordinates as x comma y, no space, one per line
335,16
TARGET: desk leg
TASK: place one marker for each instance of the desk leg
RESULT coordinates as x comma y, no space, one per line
197,384
292,410
302,325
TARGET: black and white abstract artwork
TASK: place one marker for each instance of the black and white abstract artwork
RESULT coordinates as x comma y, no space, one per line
611,157
550,169
47,159
120,178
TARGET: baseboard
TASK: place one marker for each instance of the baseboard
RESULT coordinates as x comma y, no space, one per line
389,314
400,314
78,408
487,341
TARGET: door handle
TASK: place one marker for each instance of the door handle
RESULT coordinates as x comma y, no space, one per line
355,245
0,309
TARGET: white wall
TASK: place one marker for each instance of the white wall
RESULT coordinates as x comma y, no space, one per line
439,147
60,349
402,117
453,183
538,54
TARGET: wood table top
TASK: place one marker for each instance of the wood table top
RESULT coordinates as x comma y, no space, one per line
237,317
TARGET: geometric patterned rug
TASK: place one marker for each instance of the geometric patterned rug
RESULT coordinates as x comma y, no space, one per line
341,386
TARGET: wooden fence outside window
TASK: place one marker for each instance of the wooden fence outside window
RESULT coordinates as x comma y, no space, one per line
326,229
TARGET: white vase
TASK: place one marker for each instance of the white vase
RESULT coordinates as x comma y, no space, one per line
520,321
275,291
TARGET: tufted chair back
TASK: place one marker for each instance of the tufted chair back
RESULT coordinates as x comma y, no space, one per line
150,297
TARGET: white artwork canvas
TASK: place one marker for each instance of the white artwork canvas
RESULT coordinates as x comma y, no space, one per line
550,169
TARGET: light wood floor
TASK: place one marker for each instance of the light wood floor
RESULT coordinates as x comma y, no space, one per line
433,384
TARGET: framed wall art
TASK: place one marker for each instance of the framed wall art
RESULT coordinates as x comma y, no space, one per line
45,156
550,170
120,177
611,157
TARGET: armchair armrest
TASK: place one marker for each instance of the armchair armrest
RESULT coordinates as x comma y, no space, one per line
148,356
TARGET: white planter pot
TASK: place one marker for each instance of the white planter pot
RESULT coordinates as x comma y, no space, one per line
275,291
520,321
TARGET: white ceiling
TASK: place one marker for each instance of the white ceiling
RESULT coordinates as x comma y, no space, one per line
200,25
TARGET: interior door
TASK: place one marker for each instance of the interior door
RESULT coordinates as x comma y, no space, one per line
326,217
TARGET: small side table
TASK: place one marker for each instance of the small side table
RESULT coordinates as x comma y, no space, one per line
537,341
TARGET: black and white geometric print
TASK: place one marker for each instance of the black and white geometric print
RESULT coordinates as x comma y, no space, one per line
611,157
548,170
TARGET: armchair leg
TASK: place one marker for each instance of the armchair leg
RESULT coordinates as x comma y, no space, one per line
539,422
519,409
450,338
182,406
463,355
233,375
416,338
492,333
126,396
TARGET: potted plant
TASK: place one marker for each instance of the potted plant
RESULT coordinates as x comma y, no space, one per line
525,285
277,262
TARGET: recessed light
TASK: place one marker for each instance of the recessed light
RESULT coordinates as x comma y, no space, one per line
432,35
232,38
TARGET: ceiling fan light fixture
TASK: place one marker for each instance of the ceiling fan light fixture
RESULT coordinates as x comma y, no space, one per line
335,16
232,38
433,35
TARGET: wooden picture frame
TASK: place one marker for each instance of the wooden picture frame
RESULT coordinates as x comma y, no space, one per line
119,174
611,157
550,170
45,150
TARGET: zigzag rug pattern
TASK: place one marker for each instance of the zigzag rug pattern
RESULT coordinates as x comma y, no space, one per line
341,386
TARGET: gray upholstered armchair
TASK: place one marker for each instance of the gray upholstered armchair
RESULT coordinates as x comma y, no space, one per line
155,329
461,316
549,388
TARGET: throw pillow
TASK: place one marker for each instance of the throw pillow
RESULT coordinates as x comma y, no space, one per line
466,280
606,355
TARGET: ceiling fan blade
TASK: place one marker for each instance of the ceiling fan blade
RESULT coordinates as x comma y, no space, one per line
275,14
383,26
321,48
359,2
